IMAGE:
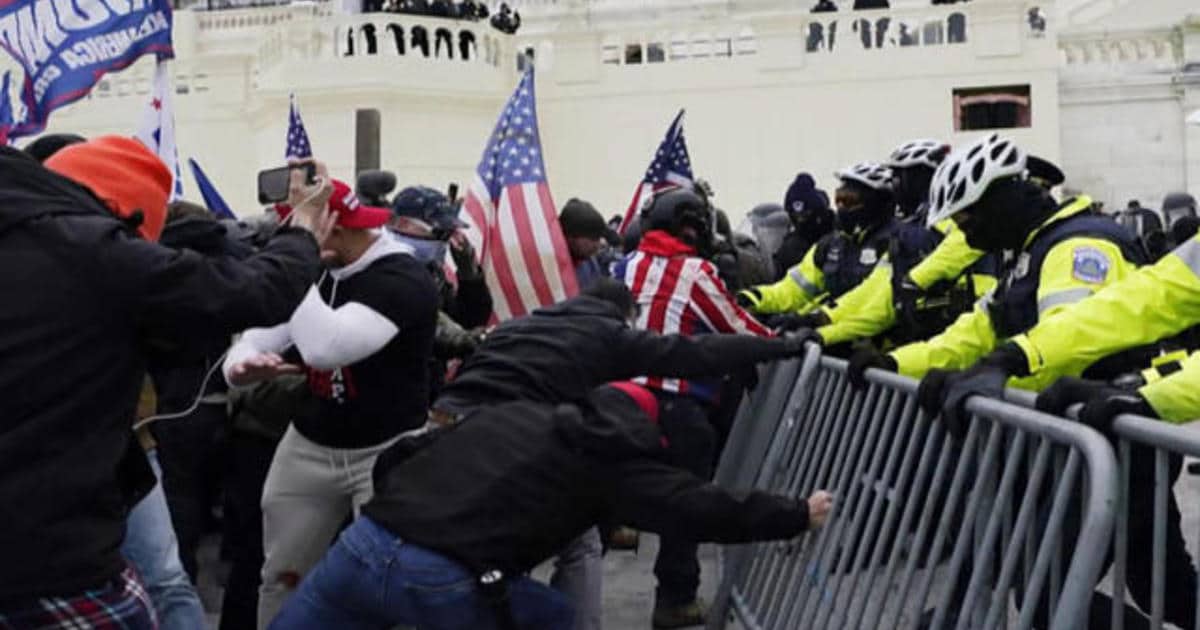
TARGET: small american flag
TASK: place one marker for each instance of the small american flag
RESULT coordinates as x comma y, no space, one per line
516,232
298,147
671,166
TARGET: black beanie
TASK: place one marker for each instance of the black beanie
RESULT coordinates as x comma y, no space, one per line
49,144
580,218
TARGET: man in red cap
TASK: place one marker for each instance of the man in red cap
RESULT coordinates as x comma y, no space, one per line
364,336
86,286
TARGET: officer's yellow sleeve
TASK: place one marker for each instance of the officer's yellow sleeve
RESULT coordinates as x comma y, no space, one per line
1176,398
864,311
797,292
1072,272
958,347
1152,303
948,261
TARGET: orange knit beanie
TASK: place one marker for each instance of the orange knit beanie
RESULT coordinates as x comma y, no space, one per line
128,177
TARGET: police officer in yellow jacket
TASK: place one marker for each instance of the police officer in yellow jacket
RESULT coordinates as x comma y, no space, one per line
866,226
1056,255
894,297
1153,304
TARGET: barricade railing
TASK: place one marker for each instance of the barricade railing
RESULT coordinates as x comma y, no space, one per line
1000,528
1152,579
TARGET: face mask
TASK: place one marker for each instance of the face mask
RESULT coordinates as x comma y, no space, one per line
1005,216
912,188
426,250
856,221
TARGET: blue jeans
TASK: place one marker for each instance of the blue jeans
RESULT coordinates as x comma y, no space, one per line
371,579
151,547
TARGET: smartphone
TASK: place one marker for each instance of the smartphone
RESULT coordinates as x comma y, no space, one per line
273,183
452,192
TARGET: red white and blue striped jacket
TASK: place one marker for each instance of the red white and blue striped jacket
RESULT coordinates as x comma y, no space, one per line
679,292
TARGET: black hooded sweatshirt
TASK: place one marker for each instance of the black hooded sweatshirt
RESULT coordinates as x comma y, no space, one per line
81,294
560,353
512,484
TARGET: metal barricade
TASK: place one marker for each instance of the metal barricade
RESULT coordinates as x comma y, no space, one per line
1161,586
927,530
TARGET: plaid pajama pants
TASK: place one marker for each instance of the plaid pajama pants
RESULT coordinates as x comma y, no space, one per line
122,605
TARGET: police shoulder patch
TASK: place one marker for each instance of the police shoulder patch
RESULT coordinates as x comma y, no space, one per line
1091,265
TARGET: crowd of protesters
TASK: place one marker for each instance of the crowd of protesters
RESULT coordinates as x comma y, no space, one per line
382,455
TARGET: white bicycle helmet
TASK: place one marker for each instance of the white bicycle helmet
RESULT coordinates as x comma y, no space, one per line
929,153
869,174
967,172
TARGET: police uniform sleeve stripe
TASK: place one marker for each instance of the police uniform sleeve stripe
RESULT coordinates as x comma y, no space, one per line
1189,253
1060,298
804,283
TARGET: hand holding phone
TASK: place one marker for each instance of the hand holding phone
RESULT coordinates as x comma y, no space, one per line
274,184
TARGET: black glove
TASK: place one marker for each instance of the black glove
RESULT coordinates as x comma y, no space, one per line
864,359
749,298
797,340
1102,402
790,321
986,378
466,268
815,319
931,391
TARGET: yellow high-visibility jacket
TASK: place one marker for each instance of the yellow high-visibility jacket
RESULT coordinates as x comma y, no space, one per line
1158,301
1063,281
800,291
1176,397
870,308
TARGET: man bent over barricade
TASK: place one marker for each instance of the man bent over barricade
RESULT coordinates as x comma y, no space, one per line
462,513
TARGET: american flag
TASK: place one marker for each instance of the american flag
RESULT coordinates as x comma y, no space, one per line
513,219
298,147
671,166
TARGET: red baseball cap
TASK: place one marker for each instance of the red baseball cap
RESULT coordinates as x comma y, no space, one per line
351,213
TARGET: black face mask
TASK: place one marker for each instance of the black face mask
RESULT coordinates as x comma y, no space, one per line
1008,212
861,219
912,188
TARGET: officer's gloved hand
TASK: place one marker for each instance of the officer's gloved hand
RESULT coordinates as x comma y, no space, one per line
866,358
789,322
1102,402
986,378
799,339
749,298
932,390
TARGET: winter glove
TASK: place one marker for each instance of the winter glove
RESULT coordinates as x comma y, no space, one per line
749,299
866,358
466,268
931,391
986,378
799,339
789,322
1102,402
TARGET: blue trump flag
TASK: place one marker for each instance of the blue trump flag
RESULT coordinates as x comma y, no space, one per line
66,46
6,117
212,199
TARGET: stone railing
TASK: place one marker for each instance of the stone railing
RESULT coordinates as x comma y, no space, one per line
258,17
1151,48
